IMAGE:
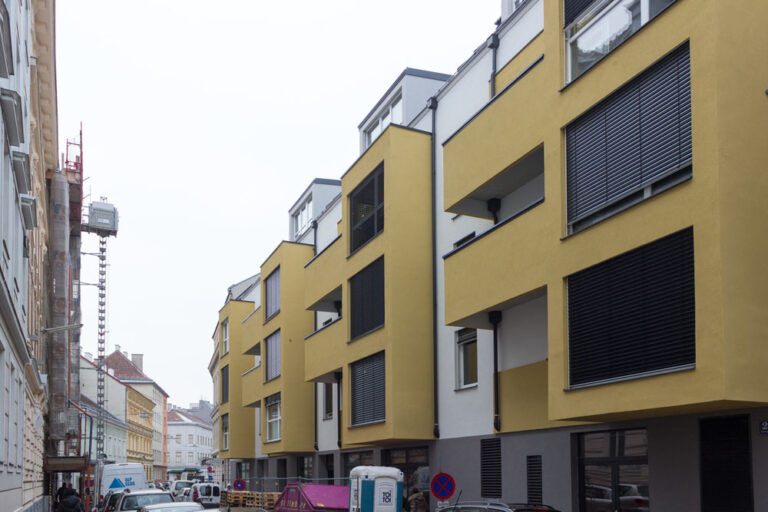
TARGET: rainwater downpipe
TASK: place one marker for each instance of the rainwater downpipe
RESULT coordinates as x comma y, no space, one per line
493,44
315,386
337,378
432,104
495,318
314,237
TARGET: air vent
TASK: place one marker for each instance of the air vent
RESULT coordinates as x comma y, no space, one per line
490,468
533,469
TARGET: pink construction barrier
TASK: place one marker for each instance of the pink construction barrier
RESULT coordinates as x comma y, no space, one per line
299,497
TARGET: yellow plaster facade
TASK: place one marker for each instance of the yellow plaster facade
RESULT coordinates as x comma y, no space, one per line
723,201
139,418
406,336
240,439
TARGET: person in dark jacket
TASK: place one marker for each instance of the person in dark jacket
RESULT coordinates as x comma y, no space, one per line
71,502
61,493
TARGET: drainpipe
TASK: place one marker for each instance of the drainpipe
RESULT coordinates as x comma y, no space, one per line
494,205
314,237
337,378
432,104
315,386
493,44
495,318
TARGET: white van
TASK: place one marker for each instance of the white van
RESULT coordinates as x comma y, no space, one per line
118,477
206,494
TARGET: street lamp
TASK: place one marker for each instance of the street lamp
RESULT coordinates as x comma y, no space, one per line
53,330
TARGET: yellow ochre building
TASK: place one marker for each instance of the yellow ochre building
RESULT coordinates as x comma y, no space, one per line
543,275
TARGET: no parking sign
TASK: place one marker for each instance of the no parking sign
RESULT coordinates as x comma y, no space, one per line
442,486
239,484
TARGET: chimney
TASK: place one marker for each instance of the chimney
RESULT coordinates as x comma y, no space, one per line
138,360
125,353
117,348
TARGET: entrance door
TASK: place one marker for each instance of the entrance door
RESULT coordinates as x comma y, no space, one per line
726,464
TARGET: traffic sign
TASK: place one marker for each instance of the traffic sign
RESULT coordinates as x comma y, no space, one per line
442,486
210,469
239,484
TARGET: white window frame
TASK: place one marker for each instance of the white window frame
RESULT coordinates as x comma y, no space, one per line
225,336
225,434
593,15
302,219
384,118
277,420
461,344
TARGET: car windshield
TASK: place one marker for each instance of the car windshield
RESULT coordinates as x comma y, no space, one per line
183,485
137,501
113,499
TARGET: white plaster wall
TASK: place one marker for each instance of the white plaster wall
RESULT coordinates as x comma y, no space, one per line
416,92
523,334
326,428
423,121
522,197
199,450
466,412
114,392
328,226
520,32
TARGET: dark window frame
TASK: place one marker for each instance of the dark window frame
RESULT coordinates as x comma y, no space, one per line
327,400
377,212
225,384
269,313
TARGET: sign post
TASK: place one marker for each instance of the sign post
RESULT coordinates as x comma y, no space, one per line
442,486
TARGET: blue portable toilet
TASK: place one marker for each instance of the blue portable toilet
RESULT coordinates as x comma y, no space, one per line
375,489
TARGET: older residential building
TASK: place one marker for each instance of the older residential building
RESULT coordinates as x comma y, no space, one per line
131,371
190,441
115,432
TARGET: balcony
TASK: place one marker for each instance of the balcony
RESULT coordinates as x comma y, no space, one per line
252,384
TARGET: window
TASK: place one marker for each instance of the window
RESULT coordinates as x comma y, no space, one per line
302,218
466,357
225,336
327,400
490,468
613,469
190,457
368,400
595,29
351,460
392,114
273,355
272,294
178,457
225,431
366,289
272,404
224,386
178,438
305,466
366,205
633,144
634,315
190,439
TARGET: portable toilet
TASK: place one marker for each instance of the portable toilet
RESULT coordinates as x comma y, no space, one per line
375,489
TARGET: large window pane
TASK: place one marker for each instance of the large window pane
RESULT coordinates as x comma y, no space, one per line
367,209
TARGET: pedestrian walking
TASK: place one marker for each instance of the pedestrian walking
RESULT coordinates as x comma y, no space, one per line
417,502
60,494
71,502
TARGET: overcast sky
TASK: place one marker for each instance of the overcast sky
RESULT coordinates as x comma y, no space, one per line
204,121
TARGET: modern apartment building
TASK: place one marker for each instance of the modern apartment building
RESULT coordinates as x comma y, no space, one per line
565,303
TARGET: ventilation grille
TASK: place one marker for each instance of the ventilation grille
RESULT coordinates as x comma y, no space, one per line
533,467
490,468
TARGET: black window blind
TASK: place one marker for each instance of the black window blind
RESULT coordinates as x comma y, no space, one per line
225,384
367,298
368,398
490,468
634,137
634,313
272,294
572,9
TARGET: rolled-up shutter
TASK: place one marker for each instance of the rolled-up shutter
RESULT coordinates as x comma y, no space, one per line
367,298
368,382
634,313
634,137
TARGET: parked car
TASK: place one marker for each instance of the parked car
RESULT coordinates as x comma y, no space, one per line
481,506
179,485
208,494
109,501
172,507
184,494
134,500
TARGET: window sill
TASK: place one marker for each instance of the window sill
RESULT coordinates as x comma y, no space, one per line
366,333
465,388
273,378
246,372
631,199
368,424
321,329
634,376
273,441
327,418
273,315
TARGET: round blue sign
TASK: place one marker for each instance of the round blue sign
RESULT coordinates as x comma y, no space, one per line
443,486
239,484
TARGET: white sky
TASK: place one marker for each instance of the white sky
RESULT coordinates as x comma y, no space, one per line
204,121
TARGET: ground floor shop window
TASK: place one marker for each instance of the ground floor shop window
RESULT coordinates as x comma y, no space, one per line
305,467
613,471
356,459
413,462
